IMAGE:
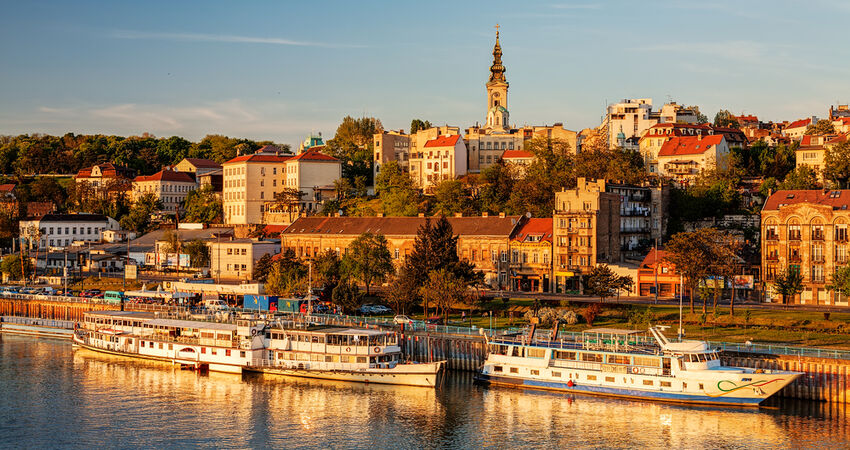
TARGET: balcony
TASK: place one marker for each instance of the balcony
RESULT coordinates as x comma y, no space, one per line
818,258
817,236
634,229
773,257
794,235
635,212
771,236
795,258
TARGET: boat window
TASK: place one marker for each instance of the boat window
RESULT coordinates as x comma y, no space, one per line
591,377
515,351
497,368
609,379
665,383
556,374
559,354
701,357
535,372
701,387
619,359
535,352
314,339
645,361
647,382
746,379
361,359
591,357
514,370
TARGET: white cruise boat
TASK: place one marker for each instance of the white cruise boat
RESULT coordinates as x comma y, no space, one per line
628,363
344,354
283,348
220,347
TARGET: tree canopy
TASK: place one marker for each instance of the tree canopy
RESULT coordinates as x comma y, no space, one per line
368,259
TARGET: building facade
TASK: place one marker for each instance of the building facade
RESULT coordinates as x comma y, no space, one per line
586,230
236,258
104,180
806,231
168,186
197,167
483,241
643,216
442,158
250,183
63,230
682,159
531,256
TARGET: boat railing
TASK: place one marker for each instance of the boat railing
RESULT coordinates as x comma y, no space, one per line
315,365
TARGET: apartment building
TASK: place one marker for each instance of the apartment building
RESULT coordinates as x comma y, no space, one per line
643,215
797,129
806,231
197,167
682,159
104,179
441,158
483,241
235,258
168,186
531,256
657,135
62,230
813,148
628,120
586,226
250,182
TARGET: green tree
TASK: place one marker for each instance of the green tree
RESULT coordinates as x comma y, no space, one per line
347,295
823,126
601,282
452,196
697,255
417,124
11,266
139,217
395,189
803,177
840,281
289,200
402,291
287,275
788,283
724,118
199,253
442,290
368,259
263,267
550,171
203,206
327,272
837,164
497,184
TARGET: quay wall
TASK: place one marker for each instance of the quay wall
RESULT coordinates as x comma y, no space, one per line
824,379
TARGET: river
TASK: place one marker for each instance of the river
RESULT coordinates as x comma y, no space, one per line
52,396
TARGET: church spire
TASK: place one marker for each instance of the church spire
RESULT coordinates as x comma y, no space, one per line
497,70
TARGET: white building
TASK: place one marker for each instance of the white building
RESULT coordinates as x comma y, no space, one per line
235,258
61,230
443,158
168,186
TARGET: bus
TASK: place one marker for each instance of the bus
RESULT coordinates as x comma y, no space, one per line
113,297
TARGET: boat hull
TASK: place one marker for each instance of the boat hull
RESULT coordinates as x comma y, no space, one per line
215,367
621,392
426,375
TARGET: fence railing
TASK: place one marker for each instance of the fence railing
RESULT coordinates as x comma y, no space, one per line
35,322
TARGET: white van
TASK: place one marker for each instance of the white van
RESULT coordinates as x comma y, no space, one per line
215,305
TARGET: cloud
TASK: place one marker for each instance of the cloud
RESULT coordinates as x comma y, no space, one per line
226,38
259,120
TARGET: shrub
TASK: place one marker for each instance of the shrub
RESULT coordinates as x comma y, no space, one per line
590,313
570,317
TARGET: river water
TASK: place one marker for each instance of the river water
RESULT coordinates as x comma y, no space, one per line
52,396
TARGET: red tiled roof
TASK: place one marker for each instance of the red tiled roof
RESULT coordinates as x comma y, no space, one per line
259,158
799,123
203,163
535,227
835,199
807,140
166,175
443,141
8,187
689,145
404,226
312,155
840,138
508,154
652,257
676,129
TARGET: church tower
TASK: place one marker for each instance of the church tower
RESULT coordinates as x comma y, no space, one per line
497,91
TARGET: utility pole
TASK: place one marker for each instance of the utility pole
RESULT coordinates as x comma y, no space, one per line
681,296
126,260
309,287
65,274
656,270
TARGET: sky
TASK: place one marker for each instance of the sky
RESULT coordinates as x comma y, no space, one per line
278,70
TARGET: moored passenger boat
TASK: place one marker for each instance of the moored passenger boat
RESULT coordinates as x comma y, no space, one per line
627,363
220,347
344,354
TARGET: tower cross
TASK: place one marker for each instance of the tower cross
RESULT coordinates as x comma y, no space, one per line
497,28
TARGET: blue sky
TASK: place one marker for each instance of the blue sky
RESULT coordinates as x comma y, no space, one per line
277,70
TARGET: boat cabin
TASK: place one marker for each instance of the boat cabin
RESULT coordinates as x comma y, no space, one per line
320,346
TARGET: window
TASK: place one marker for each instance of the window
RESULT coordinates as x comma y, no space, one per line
794,232
514,370
609,379
497,369
535,372
227,352
701,387
591,377
665,383
648,383
556,374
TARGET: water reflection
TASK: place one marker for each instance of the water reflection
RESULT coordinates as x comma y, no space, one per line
56,397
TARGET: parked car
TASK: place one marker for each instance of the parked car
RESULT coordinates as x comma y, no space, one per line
402,320
381,309
366,310
435,320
